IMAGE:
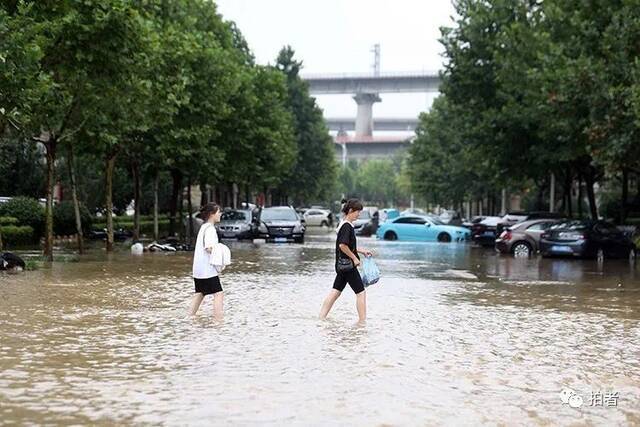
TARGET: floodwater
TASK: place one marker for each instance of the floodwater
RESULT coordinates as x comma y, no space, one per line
456,335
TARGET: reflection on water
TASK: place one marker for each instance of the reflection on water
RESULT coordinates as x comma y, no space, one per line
455,334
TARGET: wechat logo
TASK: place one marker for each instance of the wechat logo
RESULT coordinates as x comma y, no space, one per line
571,398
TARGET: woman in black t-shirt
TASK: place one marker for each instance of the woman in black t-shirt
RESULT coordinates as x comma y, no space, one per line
347,249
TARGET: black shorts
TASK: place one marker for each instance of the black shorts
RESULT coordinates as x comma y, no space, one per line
352,277
208,286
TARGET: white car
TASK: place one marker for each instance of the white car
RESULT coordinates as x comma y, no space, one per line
318,217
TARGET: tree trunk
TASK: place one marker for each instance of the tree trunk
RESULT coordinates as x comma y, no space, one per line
567,191
591,195
135,171
246,195
552,193
539,201
74,196
50,146
156,231
111,162
190,209
580,196
176,177
181,215
204,195
625,196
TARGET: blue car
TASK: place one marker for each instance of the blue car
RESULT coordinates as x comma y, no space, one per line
417,228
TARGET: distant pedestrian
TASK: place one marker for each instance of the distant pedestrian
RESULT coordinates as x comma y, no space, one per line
205,274
347,261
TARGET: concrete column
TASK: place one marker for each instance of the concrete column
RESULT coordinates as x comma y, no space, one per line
364,119
503,204
344,154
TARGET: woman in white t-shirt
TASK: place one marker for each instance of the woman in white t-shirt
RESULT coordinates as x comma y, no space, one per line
205,275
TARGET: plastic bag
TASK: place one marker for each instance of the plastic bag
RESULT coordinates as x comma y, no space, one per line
370,271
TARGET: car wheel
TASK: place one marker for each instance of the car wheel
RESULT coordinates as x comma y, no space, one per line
390,235
444,238
324,224
521,250
299,239
600,255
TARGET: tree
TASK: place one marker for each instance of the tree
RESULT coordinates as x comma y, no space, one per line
313,176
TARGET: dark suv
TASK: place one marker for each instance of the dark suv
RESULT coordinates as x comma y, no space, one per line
280,224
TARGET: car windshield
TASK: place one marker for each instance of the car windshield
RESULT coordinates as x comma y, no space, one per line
233,216
278,214
365,215
570,225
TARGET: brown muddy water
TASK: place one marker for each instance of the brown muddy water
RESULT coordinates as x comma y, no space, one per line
456,336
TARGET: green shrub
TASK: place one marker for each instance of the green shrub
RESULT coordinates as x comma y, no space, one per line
64,219
146,227
632,221
14,235
27,211
8,220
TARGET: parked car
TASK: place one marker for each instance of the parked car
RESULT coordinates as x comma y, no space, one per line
523,239
119,235
451,217
371,227
318,217
388,214
236,224
515,217
421,228
484,232
279,224
474,220
360,226
587,239
414,211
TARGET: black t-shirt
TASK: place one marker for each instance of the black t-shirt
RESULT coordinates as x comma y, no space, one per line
347,236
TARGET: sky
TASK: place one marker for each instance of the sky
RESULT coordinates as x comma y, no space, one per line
337,36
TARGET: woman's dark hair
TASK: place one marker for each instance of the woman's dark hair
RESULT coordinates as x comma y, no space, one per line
351,205
207,210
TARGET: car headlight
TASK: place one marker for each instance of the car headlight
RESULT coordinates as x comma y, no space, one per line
263,228
298,228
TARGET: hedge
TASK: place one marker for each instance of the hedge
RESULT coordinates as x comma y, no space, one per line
27,211
8,220
14,235
128,219
146,227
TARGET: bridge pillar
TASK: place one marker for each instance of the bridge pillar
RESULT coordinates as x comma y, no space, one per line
364,119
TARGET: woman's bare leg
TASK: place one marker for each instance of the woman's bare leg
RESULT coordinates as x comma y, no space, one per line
195,303
218,306
361,305
328,303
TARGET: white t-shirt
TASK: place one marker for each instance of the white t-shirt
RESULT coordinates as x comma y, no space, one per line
207,237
